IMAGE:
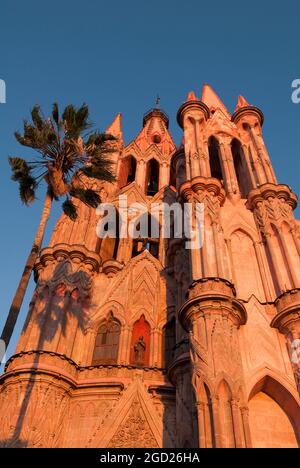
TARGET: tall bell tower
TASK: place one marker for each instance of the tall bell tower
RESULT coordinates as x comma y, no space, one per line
137,341
245,278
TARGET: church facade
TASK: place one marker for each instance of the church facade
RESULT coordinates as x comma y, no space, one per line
140,342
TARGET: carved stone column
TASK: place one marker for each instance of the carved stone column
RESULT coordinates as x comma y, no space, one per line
272,206
225,168
249,119
187,417
236,423
33,407
245,418
191,117
178,165
287,321
209,192
227,161
201,423
140,176
263,154
212,316
249,166
164,175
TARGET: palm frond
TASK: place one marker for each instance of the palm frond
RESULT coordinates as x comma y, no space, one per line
100,139
76,120
27,187
64,152
55,113
69,209
37,118
22,174
19,167
99,167
88,196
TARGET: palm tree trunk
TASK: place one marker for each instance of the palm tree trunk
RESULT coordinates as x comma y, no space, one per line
23,284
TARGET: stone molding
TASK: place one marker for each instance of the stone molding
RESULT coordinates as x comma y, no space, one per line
64,368
203,187
212,296
248,110
288,311
192,106
76,253
265,191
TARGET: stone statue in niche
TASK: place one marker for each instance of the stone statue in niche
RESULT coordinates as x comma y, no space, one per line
296,350
295,358
139,352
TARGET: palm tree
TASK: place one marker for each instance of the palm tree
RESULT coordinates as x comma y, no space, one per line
68,155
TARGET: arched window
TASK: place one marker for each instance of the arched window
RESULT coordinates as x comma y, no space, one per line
168,342
108,244
181,174
140,245
107,342
140,343
172,177
240,167
214,158
152,177
147,235
127,171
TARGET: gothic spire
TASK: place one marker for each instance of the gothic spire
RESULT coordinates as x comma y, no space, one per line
212,100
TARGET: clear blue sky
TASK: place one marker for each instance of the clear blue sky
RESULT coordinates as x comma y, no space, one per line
116,56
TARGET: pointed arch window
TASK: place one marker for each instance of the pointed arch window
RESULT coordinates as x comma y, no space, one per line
107,342
152,177
240,167
127,171
147,228
214,158
108,242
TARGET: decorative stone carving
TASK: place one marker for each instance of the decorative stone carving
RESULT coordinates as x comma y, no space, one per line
287,321
52,393
134,432
36,419
221,124
272,204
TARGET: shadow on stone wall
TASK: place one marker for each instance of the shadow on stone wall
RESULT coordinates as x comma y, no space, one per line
54,303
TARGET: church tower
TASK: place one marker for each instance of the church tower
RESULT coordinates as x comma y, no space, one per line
137,341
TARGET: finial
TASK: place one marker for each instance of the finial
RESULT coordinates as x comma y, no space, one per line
157,102
192,97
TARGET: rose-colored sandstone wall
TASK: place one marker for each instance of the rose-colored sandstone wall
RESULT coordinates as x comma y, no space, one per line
227,314
269,425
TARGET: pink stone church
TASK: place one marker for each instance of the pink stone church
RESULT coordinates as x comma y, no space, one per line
140,342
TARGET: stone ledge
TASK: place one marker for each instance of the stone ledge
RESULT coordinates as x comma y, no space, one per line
288,311
271,190
192,105
77,253
59,365
203,186
248,110
212,295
